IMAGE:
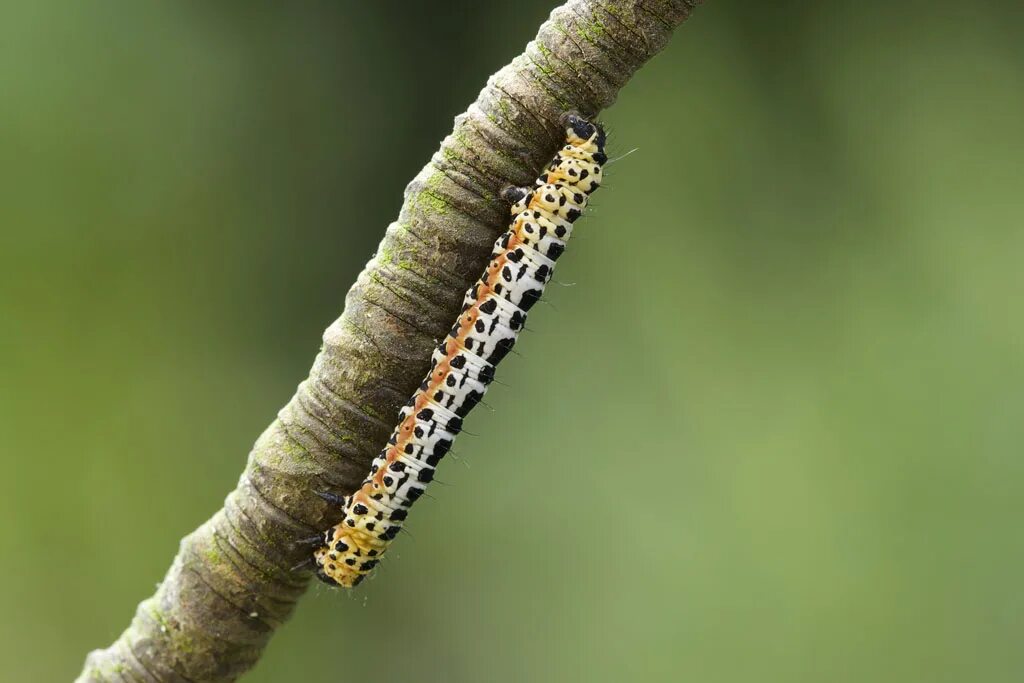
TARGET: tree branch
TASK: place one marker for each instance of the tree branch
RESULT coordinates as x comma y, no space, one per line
230,585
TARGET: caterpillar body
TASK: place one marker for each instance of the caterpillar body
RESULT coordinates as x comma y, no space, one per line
462,366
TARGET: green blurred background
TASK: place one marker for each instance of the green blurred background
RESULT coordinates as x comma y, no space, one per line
780,414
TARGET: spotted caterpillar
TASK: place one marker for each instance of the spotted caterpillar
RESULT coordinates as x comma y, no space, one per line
462,366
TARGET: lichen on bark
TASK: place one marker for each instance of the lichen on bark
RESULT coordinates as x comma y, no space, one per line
231,586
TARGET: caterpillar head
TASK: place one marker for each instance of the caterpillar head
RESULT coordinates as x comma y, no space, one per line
579,132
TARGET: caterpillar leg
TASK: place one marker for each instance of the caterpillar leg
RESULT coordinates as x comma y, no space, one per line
332,498
518,197
312,541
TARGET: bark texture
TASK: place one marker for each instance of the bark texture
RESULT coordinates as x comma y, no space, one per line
230,585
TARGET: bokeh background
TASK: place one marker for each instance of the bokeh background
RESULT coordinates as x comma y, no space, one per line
773,433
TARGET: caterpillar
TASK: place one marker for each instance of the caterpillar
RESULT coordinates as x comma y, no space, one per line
462,366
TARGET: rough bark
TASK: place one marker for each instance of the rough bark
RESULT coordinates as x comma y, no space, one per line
230,585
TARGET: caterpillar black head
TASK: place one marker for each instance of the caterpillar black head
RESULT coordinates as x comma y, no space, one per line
580,132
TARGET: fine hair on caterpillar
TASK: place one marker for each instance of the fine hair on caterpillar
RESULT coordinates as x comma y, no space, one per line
462,366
